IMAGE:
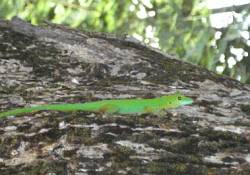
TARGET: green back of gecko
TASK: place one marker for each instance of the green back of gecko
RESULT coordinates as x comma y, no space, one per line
119,106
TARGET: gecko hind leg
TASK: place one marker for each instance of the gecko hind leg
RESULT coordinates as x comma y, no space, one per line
110,109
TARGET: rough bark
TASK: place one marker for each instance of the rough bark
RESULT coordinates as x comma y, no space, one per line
54,64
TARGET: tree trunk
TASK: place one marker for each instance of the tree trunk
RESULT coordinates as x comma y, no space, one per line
53,64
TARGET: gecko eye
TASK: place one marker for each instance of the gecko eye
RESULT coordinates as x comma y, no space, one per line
179,98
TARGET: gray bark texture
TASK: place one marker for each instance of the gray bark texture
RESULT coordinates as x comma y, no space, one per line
53,64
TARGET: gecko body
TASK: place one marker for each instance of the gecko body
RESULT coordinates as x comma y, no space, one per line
117,106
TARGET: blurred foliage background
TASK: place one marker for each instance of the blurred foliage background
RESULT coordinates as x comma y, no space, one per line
179,27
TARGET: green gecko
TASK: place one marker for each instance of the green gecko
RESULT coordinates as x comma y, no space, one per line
118,106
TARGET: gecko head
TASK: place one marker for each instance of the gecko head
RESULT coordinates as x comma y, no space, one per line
183,100
177,99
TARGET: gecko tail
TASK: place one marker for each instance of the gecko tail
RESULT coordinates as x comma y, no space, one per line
53,107
19,111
